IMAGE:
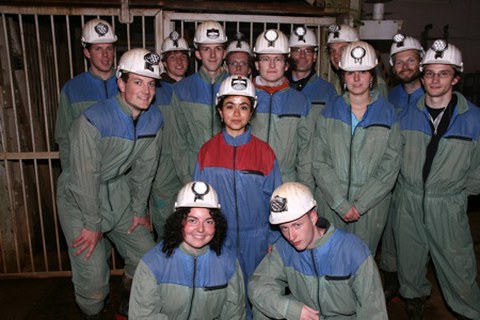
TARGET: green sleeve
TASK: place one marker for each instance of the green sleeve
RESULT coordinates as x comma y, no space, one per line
367,286
62,128
266,290
145,300
473,175
383,179
324,173
234,307
304,154
142,174
179,143
85,171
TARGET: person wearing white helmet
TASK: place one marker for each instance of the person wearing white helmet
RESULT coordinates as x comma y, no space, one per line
175,59
87,88
115,146
192,248
440,168
193,100
175,55
356,150
405,56
284,117
339,36
245,172
330,273
302,75
239,59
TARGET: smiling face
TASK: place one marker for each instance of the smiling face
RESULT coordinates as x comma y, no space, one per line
236,112
198,229
301,233
303,58
212,56
138,92
101,58
406,66
358,82
438,80
176,64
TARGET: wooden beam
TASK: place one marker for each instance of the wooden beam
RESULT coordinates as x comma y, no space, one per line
279,7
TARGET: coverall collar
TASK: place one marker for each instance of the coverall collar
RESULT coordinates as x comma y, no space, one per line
238,140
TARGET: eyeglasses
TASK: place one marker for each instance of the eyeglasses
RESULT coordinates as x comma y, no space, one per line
269,60
442,74
299,51
408,62
236,64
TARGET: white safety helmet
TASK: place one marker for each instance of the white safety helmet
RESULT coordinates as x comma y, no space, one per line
358,56
140,61
197,194
342,33
237,86
174,43
442,52
289,202
239,45
209,32
404,43
97,31
303,37
271,42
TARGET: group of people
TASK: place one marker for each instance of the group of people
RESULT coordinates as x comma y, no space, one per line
268,196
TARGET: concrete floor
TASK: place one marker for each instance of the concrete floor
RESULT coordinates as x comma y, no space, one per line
52,298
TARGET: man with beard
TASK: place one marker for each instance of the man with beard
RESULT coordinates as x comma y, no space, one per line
405,56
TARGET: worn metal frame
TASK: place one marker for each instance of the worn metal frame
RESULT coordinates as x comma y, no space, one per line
40,50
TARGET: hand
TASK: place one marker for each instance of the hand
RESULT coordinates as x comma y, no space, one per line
309,314
352,215
86,240
145,221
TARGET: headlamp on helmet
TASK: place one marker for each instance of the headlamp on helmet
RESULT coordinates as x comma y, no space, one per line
237,85
209,32
271,42
197,194
341,33
239,44
442,52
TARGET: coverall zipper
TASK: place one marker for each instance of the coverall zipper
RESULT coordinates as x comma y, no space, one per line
193,287
318,281
235,196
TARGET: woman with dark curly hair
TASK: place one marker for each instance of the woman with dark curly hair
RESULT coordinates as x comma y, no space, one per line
190,272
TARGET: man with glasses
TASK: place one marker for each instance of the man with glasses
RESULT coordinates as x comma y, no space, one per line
405,56
440,168
283,115
239,59
302,75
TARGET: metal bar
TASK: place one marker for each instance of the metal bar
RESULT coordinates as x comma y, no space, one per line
5,145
